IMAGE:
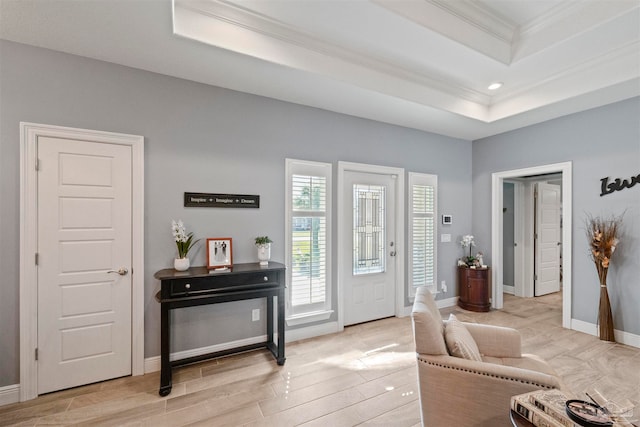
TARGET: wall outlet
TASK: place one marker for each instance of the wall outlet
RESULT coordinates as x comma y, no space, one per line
255,314
443,286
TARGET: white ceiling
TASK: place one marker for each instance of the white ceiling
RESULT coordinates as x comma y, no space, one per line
423,64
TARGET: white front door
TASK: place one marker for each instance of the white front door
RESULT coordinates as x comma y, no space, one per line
84,239
369,264
547,244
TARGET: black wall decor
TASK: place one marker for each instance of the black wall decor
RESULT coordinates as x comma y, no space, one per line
210,200
618,184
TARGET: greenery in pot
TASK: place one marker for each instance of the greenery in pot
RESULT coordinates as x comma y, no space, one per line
467,242
184,240
263,240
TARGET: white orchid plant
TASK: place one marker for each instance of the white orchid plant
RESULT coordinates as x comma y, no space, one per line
467,242
184,240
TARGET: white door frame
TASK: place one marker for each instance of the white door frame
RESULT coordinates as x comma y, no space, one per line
29,134
518,235
497,179
399,242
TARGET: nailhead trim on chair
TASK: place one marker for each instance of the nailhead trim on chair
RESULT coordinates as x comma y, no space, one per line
440,365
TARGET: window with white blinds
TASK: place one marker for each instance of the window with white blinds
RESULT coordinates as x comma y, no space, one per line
423,190
308,231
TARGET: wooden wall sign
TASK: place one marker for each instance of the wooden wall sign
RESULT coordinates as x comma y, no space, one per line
618,184
210,200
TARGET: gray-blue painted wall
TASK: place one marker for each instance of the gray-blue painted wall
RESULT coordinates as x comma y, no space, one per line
203,139
600,142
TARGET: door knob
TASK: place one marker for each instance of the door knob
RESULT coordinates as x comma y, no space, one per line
123,271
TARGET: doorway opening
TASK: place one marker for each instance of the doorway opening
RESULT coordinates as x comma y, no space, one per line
497,240
532,238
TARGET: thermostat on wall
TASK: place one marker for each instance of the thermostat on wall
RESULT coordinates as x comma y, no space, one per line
447,219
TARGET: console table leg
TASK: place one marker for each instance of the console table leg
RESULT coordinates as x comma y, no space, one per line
270,319
165,363
280,359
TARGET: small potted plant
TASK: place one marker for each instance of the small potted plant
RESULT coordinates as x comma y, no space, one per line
468,260
263,243
184,243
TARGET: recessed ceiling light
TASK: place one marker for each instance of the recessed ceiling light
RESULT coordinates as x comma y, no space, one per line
494,86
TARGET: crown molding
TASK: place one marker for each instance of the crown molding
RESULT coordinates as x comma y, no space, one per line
560,24
464,22
614,67
232,27
229,26
479,16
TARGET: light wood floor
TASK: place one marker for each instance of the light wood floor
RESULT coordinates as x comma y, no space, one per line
365,375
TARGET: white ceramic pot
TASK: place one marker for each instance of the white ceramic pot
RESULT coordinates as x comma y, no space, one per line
181,264
264,253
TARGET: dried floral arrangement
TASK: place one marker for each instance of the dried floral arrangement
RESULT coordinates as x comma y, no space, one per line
604,235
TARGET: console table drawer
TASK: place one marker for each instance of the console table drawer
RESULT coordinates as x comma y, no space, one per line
213,283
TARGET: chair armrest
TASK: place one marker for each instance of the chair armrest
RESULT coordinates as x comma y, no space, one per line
495,341
455,391
489,372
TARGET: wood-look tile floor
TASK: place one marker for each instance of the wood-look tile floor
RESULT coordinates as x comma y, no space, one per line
363,376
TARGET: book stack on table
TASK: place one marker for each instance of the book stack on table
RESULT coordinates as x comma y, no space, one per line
547,408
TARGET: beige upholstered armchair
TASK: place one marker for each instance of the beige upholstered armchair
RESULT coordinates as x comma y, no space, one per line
455,391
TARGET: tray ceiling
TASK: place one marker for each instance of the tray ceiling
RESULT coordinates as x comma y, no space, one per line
424,64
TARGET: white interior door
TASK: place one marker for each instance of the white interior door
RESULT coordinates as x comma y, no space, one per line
84,259
547,264
369,275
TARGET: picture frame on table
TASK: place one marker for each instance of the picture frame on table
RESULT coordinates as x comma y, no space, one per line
219,253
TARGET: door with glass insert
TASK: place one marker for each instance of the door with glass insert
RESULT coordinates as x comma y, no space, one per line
369,276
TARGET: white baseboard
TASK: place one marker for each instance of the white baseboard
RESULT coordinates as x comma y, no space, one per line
406,311
311,331
509,289
152,364
9,394
440,303
444,303
622,337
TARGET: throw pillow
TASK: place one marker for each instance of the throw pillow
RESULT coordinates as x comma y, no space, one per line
460,343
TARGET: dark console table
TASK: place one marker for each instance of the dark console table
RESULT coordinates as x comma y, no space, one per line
199,286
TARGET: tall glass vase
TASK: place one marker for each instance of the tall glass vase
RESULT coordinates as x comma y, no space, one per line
605,318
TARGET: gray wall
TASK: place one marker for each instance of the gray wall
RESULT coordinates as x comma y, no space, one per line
600,142
202,139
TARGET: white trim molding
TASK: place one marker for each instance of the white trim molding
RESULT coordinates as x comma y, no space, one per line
303,318
621,337
311,331
9,394
29,135
152,364
497,180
